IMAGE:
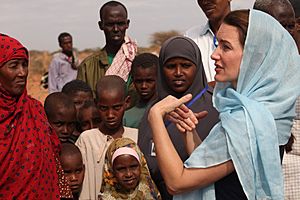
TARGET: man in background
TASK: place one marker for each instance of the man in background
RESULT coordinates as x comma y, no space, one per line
119,50
204,35
63,67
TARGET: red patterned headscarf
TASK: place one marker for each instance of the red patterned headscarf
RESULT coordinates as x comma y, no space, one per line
28,146
11,48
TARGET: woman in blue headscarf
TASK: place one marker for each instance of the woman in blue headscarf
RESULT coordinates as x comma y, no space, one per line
257,74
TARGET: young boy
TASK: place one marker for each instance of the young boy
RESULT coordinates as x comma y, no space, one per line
144,73
88,116
61,114
111,102
79,92
71,161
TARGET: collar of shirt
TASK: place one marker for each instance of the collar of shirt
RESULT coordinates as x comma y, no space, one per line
206,28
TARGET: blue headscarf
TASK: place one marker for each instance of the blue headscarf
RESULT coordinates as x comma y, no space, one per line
256,117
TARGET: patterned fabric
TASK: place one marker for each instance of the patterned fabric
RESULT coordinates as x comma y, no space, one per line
256,117
121,64
63,184
93,145
10,49
291,166
298,109
110,189
28,146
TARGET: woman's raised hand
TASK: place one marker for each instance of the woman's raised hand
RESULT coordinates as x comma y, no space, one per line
175,111
184,118
169,104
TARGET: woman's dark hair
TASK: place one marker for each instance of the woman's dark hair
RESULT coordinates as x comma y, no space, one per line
240,20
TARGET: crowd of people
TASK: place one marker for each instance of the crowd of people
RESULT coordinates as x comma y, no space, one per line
214,116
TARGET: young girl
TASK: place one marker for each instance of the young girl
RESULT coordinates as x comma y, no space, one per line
180,72
126,175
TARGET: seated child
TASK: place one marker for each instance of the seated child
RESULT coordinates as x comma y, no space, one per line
144,73
126,174
79,92
112,101
71,161
88,116
61,114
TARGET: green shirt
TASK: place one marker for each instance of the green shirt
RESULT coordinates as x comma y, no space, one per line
134,115
93,68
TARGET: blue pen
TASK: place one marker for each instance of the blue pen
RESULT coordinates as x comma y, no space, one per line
198,96
216,41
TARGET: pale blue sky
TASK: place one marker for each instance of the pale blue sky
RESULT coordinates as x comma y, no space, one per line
37,23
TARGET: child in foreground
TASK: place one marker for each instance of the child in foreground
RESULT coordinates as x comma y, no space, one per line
112,101
126,175
61,114
71,161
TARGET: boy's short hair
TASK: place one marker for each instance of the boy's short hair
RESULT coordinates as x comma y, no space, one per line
69,149
75,86
110,83
62,36
266,5
56,99
86,105
296,6
144,60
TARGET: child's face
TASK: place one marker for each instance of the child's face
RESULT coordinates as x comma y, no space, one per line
111,107
89,118
145,82
127,170
74,171
80,97
63,121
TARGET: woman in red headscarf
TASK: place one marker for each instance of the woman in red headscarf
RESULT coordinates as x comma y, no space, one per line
29,168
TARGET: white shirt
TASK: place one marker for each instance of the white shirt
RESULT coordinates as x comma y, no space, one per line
60,72
204,38
93,145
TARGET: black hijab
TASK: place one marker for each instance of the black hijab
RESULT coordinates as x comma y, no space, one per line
182,47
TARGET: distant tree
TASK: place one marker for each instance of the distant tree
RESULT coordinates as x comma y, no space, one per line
157,38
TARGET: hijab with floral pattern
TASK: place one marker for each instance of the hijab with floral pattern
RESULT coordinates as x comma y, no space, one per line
110,189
